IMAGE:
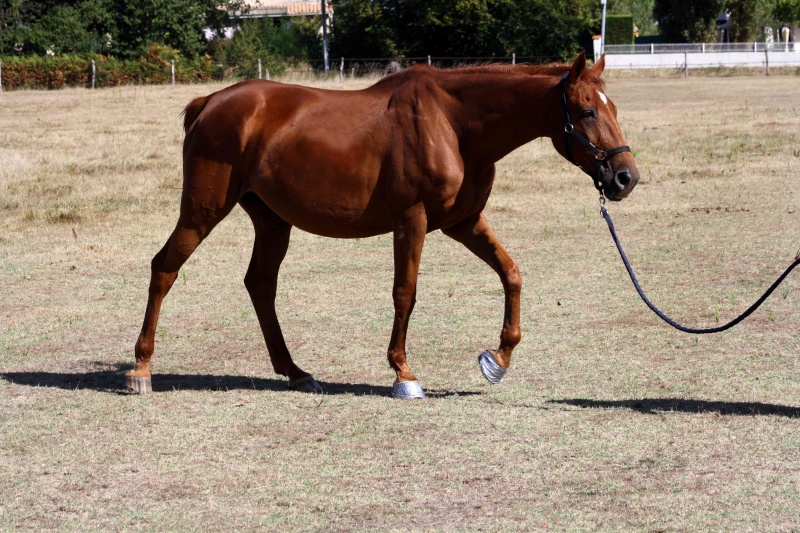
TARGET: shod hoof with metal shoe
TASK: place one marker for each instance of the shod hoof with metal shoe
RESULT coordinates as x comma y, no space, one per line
493,372
139,385
407,390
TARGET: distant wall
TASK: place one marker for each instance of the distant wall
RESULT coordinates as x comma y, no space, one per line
703,60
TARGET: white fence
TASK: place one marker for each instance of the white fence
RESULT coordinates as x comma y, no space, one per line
702,55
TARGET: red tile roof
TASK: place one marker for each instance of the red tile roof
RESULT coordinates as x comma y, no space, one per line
284,8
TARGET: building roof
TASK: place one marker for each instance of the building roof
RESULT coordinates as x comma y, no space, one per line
284,8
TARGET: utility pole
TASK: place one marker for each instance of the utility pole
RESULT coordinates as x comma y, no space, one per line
325,35
602,30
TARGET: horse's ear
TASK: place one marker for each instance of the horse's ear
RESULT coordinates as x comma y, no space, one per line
600,65
577,67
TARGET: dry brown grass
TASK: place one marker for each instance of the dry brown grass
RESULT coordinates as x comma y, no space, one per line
608,419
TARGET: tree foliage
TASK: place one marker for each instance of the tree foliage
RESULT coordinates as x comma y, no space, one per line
549,27
787,11
120,27
641,10
681,22
274,44
695,21
361,30
366,28
459,28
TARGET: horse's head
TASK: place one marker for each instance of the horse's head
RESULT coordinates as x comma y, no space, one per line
590,136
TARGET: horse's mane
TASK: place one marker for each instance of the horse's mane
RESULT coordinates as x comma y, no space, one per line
553,69
501,69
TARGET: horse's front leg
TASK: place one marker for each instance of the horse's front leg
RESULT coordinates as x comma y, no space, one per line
409,235
476,234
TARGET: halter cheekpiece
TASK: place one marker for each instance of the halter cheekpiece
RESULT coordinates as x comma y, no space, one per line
600,156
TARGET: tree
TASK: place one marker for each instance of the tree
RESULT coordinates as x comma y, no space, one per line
361,30
642,11
12,31
696,21
274,44
176,23
787,11
458,28
448,28
742,18
680,21
60,30
549,27
122,27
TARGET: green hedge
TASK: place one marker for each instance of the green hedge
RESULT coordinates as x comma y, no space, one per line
619,29
36,72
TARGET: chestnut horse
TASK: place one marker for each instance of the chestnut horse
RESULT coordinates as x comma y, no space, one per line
414,153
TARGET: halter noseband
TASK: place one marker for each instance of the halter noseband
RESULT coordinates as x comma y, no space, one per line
600,156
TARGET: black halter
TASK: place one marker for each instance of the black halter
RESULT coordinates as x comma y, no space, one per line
600,156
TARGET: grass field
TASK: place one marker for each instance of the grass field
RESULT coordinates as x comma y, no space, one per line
607,420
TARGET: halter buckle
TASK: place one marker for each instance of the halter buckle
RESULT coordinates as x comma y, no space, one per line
568,127
600,155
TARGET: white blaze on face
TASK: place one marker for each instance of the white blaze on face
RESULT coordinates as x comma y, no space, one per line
603,97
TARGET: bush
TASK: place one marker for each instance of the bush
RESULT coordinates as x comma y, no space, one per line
619,29
36,72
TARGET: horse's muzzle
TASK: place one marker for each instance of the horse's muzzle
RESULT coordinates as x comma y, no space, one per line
620,183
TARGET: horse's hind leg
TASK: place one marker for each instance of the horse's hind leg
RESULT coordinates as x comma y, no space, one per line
261,280
200,212
476,234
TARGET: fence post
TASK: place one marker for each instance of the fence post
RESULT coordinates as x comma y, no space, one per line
94,73
267,76
755,46
704,48
652,49
685,64
172,69
341,70
429,60
766,61
514,58
259,68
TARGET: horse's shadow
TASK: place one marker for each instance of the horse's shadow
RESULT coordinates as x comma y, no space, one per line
666,405
112,381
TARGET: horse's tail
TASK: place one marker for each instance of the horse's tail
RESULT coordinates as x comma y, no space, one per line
192,111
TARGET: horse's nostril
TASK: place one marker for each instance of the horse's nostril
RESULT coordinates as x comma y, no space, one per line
622,178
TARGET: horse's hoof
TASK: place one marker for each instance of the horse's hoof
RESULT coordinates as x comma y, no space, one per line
407,390
305,384
493,372
140,385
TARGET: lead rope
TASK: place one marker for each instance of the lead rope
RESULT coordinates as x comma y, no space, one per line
664,317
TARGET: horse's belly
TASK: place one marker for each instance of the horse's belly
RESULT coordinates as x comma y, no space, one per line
337,223
327,212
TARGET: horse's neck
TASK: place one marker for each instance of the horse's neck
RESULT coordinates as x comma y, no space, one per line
497,114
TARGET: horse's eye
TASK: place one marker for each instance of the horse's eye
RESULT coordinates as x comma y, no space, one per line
589,113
